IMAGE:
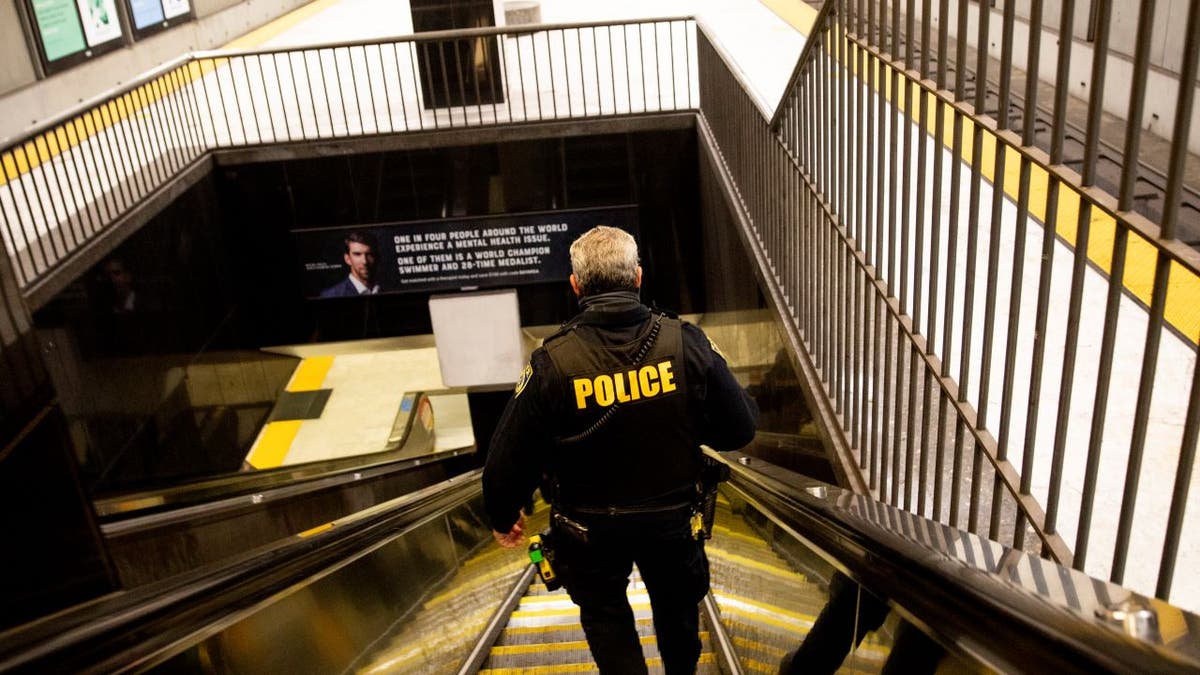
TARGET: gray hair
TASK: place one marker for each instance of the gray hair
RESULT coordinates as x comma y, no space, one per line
605,259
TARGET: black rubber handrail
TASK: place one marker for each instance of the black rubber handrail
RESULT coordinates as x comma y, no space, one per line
211,489
978,605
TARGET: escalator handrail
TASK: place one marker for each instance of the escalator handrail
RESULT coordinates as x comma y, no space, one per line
930,573
212,489
149,623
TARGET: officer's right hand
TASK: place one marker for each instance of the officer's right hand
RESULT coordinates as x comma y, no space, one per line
514,537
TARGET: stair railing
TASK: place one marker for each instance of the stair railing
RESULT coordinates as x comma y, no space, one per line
962,365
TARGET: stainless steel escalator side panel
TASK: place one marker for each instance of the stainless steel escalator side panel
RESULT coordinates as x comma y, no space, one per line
311,603
1010,610
212,489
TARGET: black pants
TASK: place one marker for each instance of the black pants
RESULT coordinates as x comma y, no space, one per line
674,569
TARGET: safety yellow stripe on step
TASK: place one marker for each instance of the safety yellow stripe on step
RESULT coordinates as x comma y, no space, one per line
510,650
655,662
742,561
275,439
527,630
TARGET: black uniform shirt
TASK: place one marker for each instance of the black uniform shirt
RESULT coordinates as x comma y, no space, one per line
723,416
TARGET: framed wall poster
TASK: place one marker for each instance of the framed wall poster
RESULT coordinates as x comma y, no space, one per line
100,21
69,32
154,16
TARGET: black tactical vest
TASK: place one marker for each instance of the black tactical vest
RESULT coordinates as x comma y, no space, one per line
645,453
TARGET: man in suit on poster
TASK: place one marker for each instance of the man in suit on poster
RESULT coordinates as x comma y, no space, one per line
360,257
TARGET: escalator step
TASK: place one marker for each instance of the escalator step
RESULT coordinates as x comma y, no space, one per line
524,635
706,666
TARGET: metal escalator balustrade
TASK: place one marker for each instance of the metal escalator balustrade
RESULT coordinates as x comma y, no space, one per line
987,336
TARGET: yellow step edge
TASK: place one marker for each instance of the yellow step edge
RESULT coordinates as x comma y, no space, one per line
765,606
526,630
742,536
510,650
706,658
742,560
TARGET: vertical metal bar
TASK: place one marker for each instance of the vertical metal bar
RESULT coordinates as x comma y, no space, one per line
521,78
1137,103
491,69
1179,495
562,41
89,222
433,90
167,122
111,167
20,182
911,447
101,196
362,120
296,90
370,89
1018,265
47,169
458,69
550,67
1187,455
1083,232
503,65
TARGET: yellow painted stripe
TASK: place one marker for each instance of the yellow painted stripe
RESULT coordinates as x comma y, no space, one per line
655,662
796,13
317,530
1183,290
743,561
22,158
310,374
766,607
273,444
510,650
526,630
791,626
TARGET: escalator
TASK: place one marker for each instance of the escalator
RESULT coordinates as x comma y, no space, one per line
157,533
416,585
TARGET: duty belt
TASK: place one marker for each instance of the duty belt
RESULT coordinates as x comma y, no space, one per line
627,510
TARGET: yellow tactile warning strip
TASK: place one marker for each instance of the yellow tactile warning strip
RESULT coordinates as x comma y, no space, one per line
276,438
797,13
32,154
1183,292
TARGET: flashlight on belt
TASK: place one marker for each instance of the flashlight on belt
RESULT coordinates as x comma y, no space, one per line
540,553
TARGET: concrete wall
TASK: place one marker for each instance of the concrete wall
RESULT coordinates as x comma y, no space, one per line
25,101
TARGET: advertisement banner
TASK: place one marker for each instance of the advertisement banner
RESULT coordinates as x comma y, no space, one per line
451,254
59,29
146,13
174,8
100,21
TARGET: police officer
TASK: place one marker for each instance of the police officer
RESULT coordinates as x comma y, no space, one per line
608,418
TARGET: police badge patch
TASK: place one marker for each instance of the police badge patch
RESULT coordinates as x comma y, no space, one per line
526,375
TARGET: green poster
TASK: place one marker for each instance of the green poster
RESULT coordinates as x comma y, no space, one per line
58,25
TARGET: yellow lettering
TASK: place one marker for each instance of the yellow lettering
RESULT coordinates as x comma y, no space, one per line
619,381
648,379
633,386
667,377
583,389
604,390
